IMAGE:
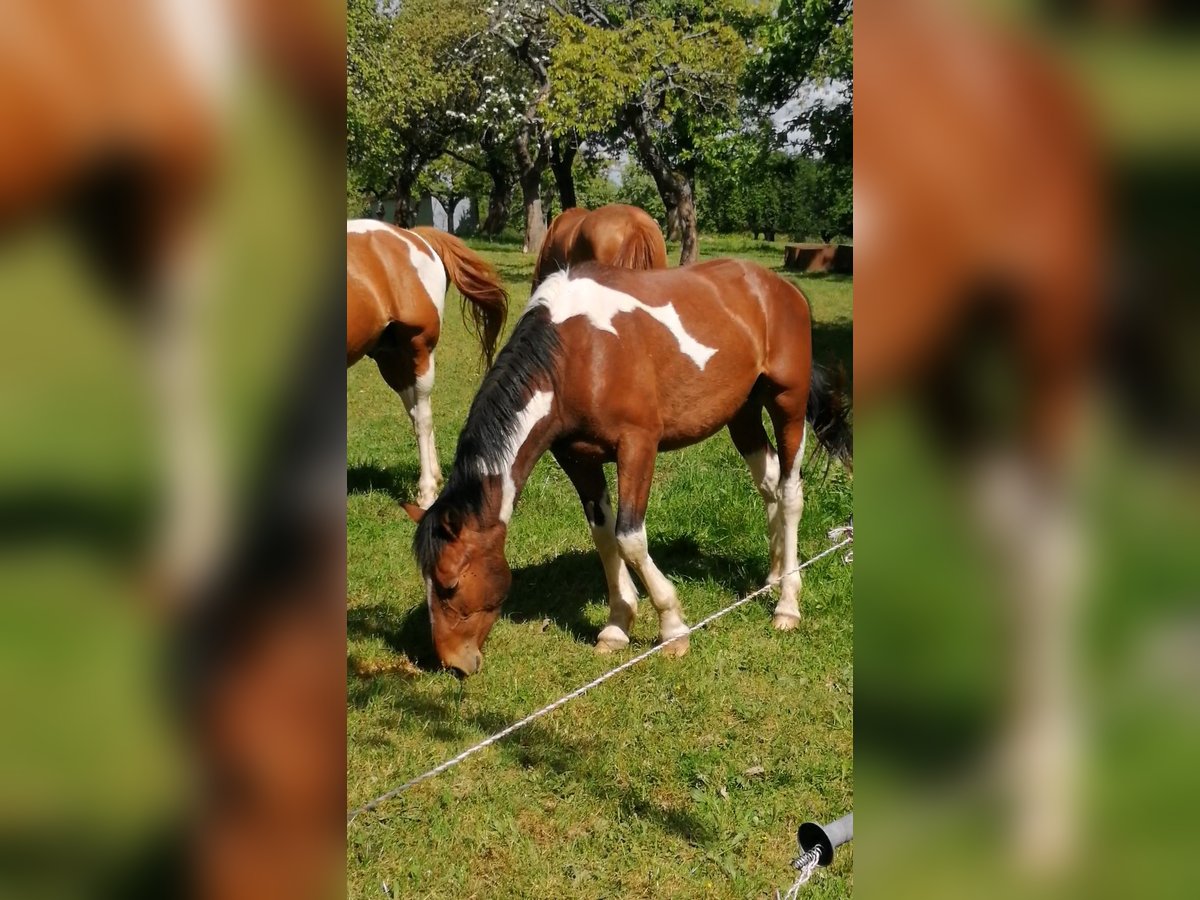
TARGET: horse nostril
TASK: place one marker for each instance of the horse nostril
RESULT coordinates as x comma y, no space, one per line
468,666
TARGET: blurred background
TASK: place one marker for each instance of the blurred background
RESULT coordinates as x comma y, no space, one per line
171,468
1027,633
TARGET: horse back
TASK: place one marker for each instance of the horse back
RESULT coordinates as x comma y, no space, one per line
385,288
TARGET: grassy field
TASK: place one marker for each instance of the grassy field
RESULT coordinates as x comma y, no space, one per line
679,778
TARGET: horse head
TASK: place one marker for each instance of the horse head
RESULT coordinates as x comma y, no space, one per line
466,580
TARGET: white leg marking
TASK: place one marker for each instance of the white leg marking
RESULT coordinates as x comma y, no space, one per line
635,551
420,411
622,595
791,506
192,534
764,469
569,297
1038,537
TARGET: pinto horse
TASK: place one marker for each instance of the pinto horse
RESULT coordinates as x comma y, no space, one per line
396,282
617,235
607,365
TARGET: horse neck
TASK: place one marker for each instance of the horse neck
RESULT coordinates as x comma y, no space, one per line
503,474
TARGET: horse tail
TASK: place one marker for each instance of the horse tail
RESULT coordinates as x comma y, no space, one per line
479,284
829,413
643,249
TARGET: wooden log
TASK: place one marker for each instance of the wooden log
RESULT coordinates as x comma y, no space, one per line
836,258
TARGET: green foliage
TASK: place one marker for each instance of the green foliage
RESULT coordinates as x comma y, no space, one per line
593,186
746,186
810,43
638,189
405,83
673,65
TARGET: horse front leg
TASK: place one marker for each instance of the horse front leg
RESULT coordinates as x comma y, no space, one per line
635,470
589,481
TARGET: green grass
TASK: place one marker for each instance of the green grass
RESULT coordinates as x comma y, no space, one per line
649,786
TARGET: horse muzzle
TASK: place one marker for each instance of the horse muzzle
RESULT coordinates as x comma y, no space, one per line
465,661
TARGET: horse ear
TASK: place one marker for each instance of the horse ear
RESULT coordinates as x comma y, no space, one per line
451,524
414,512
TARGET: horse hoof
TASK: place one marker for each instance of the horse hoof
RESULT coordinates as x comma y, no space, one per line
676,648
611,639
785,622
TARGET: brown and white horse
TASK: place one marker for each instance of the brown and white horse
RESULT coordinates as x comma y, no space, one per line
396,281
617,235
608,365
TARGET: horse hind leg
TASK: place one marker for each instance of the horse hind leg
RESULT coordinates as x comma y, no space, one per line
787,415
592,488
635,470
412,376
751,441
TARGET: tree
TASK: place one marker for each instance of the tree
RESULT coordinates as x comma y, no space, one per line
638,189
809,45
661,76
405,90
519,30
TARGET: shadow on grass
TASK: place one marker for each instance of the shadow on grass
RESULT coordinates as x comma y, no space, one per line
515,273
541,748
557,589
833,344
113,525
399,482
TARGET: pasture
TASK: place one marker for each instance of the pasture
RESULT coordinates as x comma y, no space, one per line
679,778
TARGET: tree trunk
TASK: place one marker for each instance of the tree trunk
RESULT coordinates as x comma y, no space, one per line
674,186
403,214
499,203
535,218
530,169
688,234
672,222
562,164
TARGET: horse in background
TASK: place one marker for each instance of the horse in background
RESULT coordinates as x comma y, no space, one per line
617,235
396,282
612,365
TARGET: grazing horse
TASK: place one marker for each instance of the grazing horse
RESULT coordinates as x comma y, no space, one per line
396,282
617,235
609,365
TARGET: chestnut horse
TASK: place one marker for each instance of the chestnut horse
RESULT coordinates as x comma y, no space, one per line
617,235
396,281
606,365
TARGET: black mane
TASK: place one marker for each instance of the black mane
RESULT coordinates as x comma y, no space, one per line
528,360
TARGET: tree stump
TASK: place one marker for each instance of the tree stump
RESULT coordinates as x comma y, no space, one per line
835,258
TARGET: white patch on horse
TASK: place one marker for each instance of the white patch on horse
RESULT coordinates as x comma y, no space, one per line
569,297
535,410
431,272
202,36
